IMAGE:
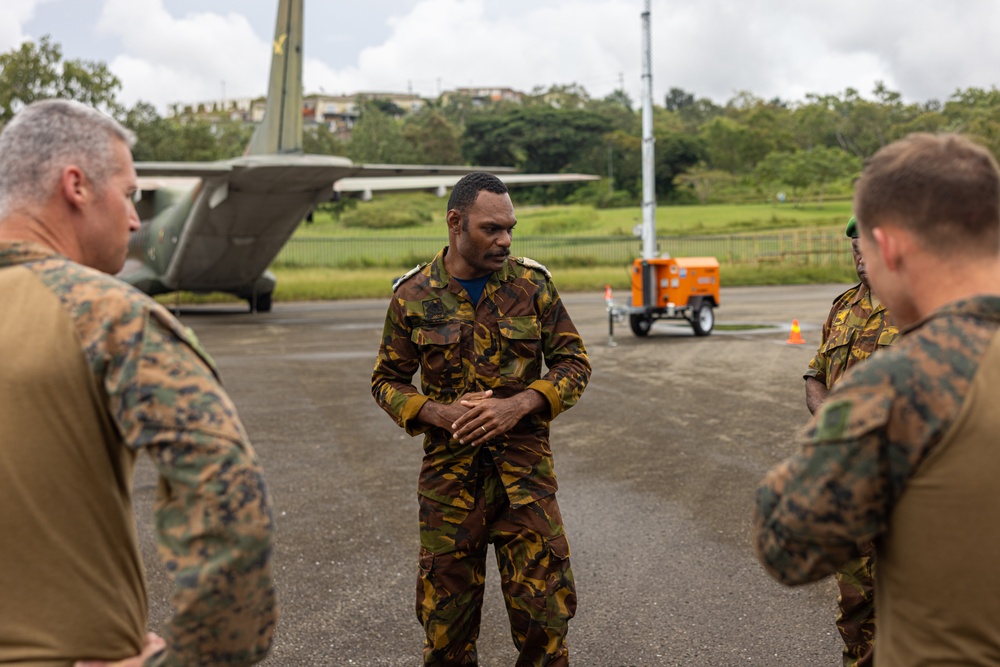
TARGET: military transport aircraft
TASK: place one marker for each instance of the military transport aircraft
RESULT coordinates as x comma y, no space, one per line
217,226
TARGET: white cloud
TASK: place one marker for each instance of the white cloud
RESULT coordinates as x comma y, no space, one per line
471,42
183,59
14,15
171,50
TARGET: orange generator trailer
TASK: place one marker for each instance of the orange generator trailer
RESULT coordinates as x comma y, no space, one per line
674,288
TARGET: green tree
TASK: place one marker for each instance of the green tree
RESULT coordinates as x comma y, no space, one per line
678,99
674,153
827,165
704,181
804,170
536,139
377,137
432,139
170,139
35,71
725,142
319,140
571,96
786,169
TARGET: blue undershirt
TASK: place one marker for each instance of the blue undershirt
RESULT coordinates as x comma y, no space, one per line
475,287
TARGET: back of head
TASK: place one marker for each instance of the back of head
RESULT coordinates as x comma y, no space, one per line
47,136
945,189
467,190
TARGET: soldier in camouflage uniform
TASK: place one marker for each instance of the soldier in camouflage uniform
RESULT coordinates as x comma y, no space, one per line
95,372
856,328
903,451
479,325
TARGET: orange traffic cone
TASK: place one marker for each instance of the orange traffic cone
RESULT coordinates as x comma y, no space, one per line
607,292
796,336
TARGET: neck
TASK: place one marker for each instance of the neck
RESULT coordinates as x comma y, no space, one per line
34,226
944,282
457,267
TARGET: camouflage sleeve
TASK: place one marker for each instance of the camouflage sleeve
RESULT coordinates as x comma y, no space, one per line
397,362
213,517
816,508
565,355
819,365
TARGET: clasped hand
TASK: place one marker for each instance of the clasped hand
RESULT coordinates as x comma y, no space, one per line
483,417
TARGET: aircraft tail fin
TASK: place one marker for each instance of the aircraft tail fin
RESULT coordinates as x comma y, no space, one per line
281,129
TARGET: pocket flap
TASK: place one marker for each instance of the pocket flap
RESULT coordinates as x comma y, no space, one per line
520,328
444,333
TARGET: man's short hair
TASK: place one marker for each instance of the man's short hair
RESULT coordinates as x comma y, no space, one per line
467,190
943,188
47,136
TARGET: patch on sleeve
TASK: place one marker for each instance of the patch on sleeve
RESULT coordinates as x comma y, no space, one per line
532,264
403,278
834,421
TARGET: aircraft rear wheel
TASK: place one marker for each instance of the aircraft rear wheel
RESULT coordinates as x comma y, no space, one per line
260,303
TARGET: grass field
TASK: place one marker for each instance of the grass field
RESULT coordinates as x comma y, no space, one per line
428,219
308,283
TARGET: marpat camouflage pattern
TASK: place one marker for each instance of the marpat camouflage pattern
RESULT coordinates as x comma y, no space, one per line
816,509
212,516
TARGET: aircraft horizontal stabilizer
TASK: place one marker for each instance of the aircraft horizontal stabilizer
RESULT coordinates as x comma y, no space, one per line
364,186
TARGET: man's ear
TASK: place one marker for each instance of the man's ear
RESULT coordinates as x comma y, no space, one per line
454,218
889,245
74,186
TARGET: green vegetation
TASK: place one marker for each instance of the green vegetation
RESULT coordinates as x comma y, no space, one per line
743,151
365,219
386,214
312,284
721,171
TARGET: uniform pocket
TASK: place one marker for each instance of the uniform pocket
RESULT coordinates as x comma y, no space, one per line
520,346
440,352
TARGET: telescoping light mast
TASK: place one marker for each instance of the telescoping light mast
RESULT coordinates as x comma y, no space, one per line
648,162
664,287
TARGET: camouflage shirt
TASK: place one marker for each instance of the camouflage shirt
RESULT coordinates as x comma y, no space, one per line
853,332
875,429
520,322
162,394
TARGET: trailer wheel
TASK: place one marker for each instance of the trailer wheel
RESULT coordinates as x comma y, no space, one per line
640,324
703,320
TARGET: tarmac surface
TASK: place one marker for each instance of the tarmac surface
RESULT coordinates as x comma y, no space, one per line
657,465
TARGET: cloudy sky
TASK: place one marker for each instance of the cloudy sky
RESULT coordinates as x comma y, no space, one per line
167,51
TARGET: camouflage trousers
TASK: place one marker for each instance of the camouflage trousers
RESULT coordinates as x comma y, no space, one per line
533,558
856,617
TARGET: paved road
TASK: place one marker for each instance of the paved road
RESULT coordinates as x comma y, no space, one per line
657,467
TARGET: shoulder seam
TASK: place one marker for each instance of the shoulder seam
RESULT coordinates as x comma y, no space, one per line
532,264
406,276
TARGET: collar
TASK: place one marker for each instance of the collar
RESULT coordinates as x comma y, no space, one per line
984,307
22,252
440,278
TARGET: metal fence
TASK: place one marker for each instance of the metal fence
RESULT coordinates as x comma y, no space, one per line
778,249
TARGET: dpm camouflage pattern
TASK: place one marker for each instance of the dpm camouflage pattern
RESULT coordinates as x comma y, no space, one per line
520,324
871,435
854,330
535,576
212,515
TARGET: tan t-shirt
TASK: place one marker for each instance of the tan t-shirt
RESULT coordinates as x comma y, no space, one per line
65,486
